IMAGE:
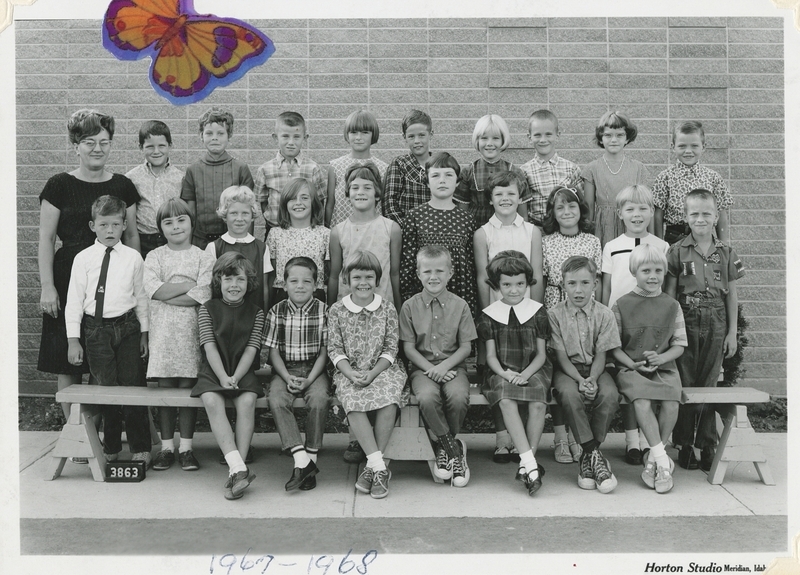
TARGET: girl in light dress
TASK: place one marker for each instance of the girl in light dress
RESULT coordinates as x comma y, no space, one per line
360,132
609,174
363,339
299,233
177,280
567,227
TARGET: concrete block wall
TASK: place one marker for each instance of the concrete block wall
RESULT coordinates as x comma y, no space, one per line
726,72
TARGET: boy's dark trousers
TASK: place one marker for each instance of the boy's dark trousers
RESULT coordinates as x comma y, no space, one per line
605,404
112,349
699,366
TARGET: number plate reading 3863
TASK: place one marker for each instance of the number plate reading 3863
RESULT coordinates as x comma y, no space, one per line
125,471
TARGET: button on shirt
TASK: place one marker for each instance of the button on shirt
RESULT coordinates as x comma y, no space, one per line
582,333
274,174
704,273
154,190
673,184
124,286
544,177
298,332
436,325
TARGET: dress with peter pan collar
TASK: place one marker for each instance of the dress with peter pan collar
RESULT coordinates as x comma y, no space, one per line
515,330
363,335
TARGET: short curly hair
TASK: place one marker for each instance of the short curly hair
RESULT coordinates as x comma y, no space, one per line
216,116
233,194
231,264
85,123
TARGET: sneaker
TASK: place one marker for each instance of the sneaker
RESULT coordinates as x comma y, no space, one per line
143,456
707,458
501,455
663,480
605,480
562,453
380,484
84,460
444,465
354,453
188,461
164,460
649,472
576,451
586,474
633,456
364,482
531,484
460,467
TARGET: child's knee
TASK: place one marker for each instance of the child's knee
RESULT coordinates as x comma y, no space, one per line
537,409
669,408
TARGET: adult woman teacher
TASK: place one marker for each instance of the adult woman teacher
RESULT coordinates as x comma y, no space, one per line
66,209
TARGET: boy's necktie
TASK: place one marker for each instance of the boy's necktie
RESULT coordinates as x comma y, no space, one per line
100,294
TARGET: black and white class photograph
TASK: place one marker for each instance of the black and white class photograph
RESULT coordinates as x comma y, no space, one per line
378,287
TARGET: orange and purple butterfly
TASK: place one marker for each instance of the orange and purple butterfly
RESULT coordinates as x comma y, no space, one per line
192,54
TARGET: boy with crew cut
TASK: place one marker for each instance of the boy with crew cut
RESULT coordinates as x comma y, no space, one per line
156,180
290,135
674,183
437,331
582,332
405,185
547,171
207,177
296,335
107,302
702,275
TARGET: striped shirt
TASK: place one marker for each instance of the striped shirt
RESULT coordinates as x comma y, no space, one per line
405,187
274,174
206,328
544,177
298,332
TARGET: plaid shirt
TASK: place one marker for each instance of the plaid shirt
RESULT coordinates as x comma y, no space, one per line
544,177
298,332
274,174
672,185
405,187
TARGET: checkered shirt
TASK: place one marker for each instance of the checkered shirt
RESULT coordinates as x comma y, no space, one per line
298,332
274,174
544,177
405,187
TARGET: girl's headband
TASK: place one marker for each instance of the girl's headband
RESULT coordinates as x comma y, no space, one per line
574,193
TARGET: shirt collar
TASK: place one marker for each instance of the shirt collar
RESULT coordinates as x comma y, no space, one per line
225,157
524,310
572,309
689,241
541,162
443,297
495,221
150,171
355,308
644,293
682,166
103,247
229,239
304,309
298,159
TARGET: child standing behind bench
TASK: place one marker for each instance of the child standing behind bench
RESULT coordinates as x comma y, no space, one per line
296,335
208,176
582,332
437,331
106,300
702,275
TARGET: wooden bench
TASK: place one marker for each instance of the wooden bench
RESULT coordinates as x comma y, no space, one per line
410,440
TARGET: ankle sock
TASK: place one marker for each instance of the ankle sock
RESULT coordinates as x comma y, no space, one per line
528,461
631,439
502,439
643,441
659,455
312,453
375,461
235,462
185,445
560,433
168,444
301,458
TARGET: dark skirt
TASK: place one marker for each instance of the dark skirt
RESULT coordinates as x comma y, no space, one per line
664,384
496,387
207,381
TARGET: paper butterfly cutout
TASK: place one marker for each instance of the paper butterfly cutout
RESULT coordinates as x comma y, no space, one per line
192,54
7,11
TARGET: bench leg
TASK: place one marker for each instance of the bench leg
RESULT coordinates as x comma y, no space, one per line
78,439
410,441
738,443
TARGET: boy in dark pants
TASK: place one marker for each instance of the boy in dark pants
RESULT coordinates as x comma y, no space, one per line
702,274
106,297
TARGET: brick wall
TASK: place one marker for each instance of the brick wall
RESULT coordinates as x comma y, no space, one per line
726,72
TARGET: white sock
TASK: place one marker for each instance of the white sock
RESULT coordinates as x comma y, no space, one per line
185,445
301,458
168,444
375,461
659,454
631,439
528,461
312,454
643,441
560,432
502,439
235,462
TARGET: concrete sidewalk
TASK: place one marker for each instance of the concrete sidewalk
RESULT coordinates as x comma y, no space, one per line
754,513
